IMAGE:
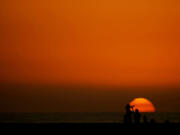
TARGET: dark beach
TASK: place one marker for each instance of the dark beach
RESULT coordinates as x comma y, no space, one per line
87,127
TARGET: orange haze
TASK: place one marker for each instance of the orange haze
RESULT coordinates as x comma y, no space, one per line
133,42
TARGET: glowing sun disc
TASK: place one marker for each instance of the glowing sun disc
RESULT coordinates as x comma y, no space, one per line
143,105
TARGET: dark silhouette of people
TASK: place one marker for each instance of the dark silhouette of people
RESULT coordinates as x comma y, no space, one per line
145,121
134,117
152,122
128,115
131,115
167,122
137,117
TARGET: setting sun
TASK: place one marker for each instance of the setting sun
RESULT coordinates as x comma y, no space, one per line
143,105
89,55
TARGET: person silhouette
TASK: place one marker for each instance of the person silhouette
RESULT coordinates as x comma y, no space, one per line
137,117
152,122
128,115
145,121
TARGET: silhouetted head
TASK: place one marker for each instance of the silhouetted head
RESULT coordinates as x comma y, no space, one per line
128,107
136,111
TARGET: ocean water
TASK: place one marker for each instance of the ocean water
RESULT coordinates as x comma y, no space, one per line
100,117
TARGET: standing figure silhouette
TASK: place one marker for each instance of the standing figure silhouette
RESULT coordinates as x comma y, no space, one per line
128,115
137,117
145,120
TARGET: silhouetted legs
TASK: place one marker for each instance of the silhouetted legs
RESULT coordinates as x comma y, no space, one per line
137,117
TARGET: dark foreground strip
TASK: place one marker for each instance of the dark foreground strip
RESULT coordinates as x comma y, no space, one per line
86,128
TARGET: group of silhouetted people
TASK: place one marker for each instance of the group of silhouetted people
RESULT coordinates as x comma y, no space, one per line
134,116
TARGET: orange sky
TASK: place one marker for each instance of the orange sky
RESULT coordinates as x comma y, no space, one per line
106,42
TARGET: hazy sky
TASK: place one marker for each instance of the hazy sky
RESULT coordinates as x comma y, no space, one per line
91,42
129,43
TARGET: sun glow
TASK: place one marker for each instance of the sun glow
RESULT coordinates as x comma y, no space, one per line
143,105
